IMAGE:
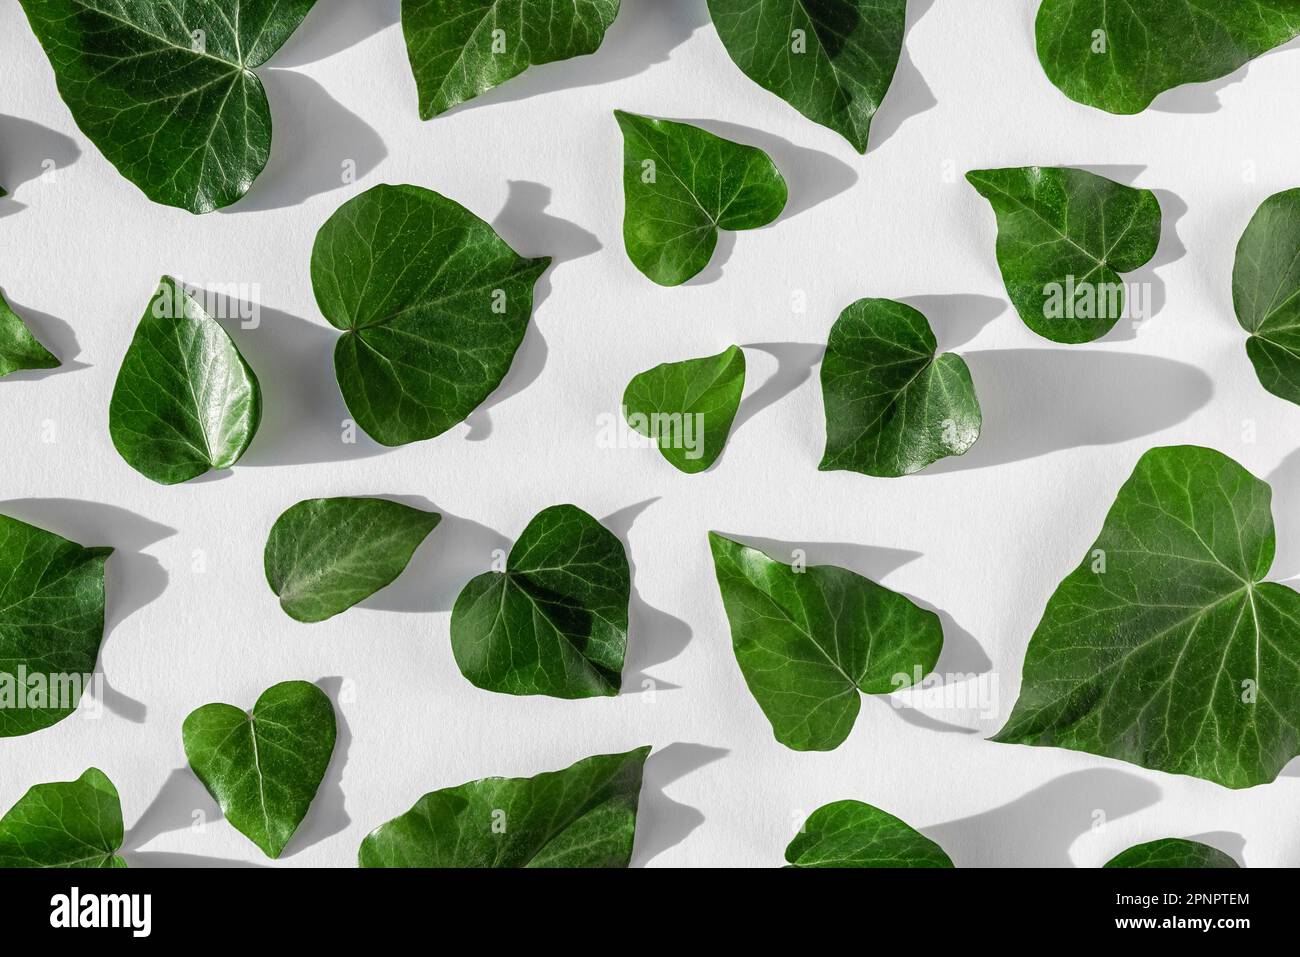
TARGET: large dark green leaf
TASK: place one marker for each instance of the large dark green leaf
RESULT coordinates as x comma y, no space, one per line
583,816
1266,292
264,767
681,185
18,347
51,624
1120,56
809,639
688,407
64,824
326,554
1064,237
555,621
185,400
1172,852
461,48
832,60
892,406
1163,648
853,834
433,305
167,90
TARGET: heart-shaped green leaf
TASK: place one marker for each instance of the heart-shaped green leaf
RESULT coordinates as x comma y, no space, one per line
582,816
1163,648
681,185
853,834
832,60
462,48
688,407
326,554
433,305
1119,57
64,824
1064,237
51,624
264,768
808,639
1172,852
167,91
185,401
555,621
1266,293
892,406
19,349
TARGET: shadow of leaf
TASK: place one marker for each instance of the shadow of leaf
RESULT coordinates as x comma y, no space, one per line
663,823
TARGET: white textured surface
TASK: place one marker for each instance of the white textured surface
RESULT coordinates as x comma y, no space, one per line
985,542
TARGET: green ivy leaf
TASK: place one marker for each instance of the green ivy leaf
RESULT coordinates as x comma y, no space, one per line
892,406
433,305
809,639
18,347
51,624
832,60
1119,57
1163,648
555,621
264,768
1266,293
582,816
688,407
681,185
1064,237
167,91
185,401
326,554
1172,852
460,49
853,834
64,824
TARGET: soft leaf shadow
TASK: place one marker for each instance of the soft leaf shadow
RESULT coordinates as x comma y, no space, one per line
319,145
1039,828
1194,98
908,94
32,152
958,318
794,365
663,823
53,333
654,636
132,578
333,26
1038,401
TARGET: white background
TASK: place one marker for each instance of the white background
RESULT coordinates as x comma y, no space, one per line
984,539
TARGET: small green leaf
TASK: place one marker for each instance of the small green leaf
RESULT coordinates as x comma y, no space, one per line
460,49
1064,237
326,554
167,91
18,347
51,624
1172,852
264,768
185,401
688,407
892,406
433,305
1119,57
853,834
582,816
681,185
64,824
1266,293
808,639
555,621
1163,648
832,60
